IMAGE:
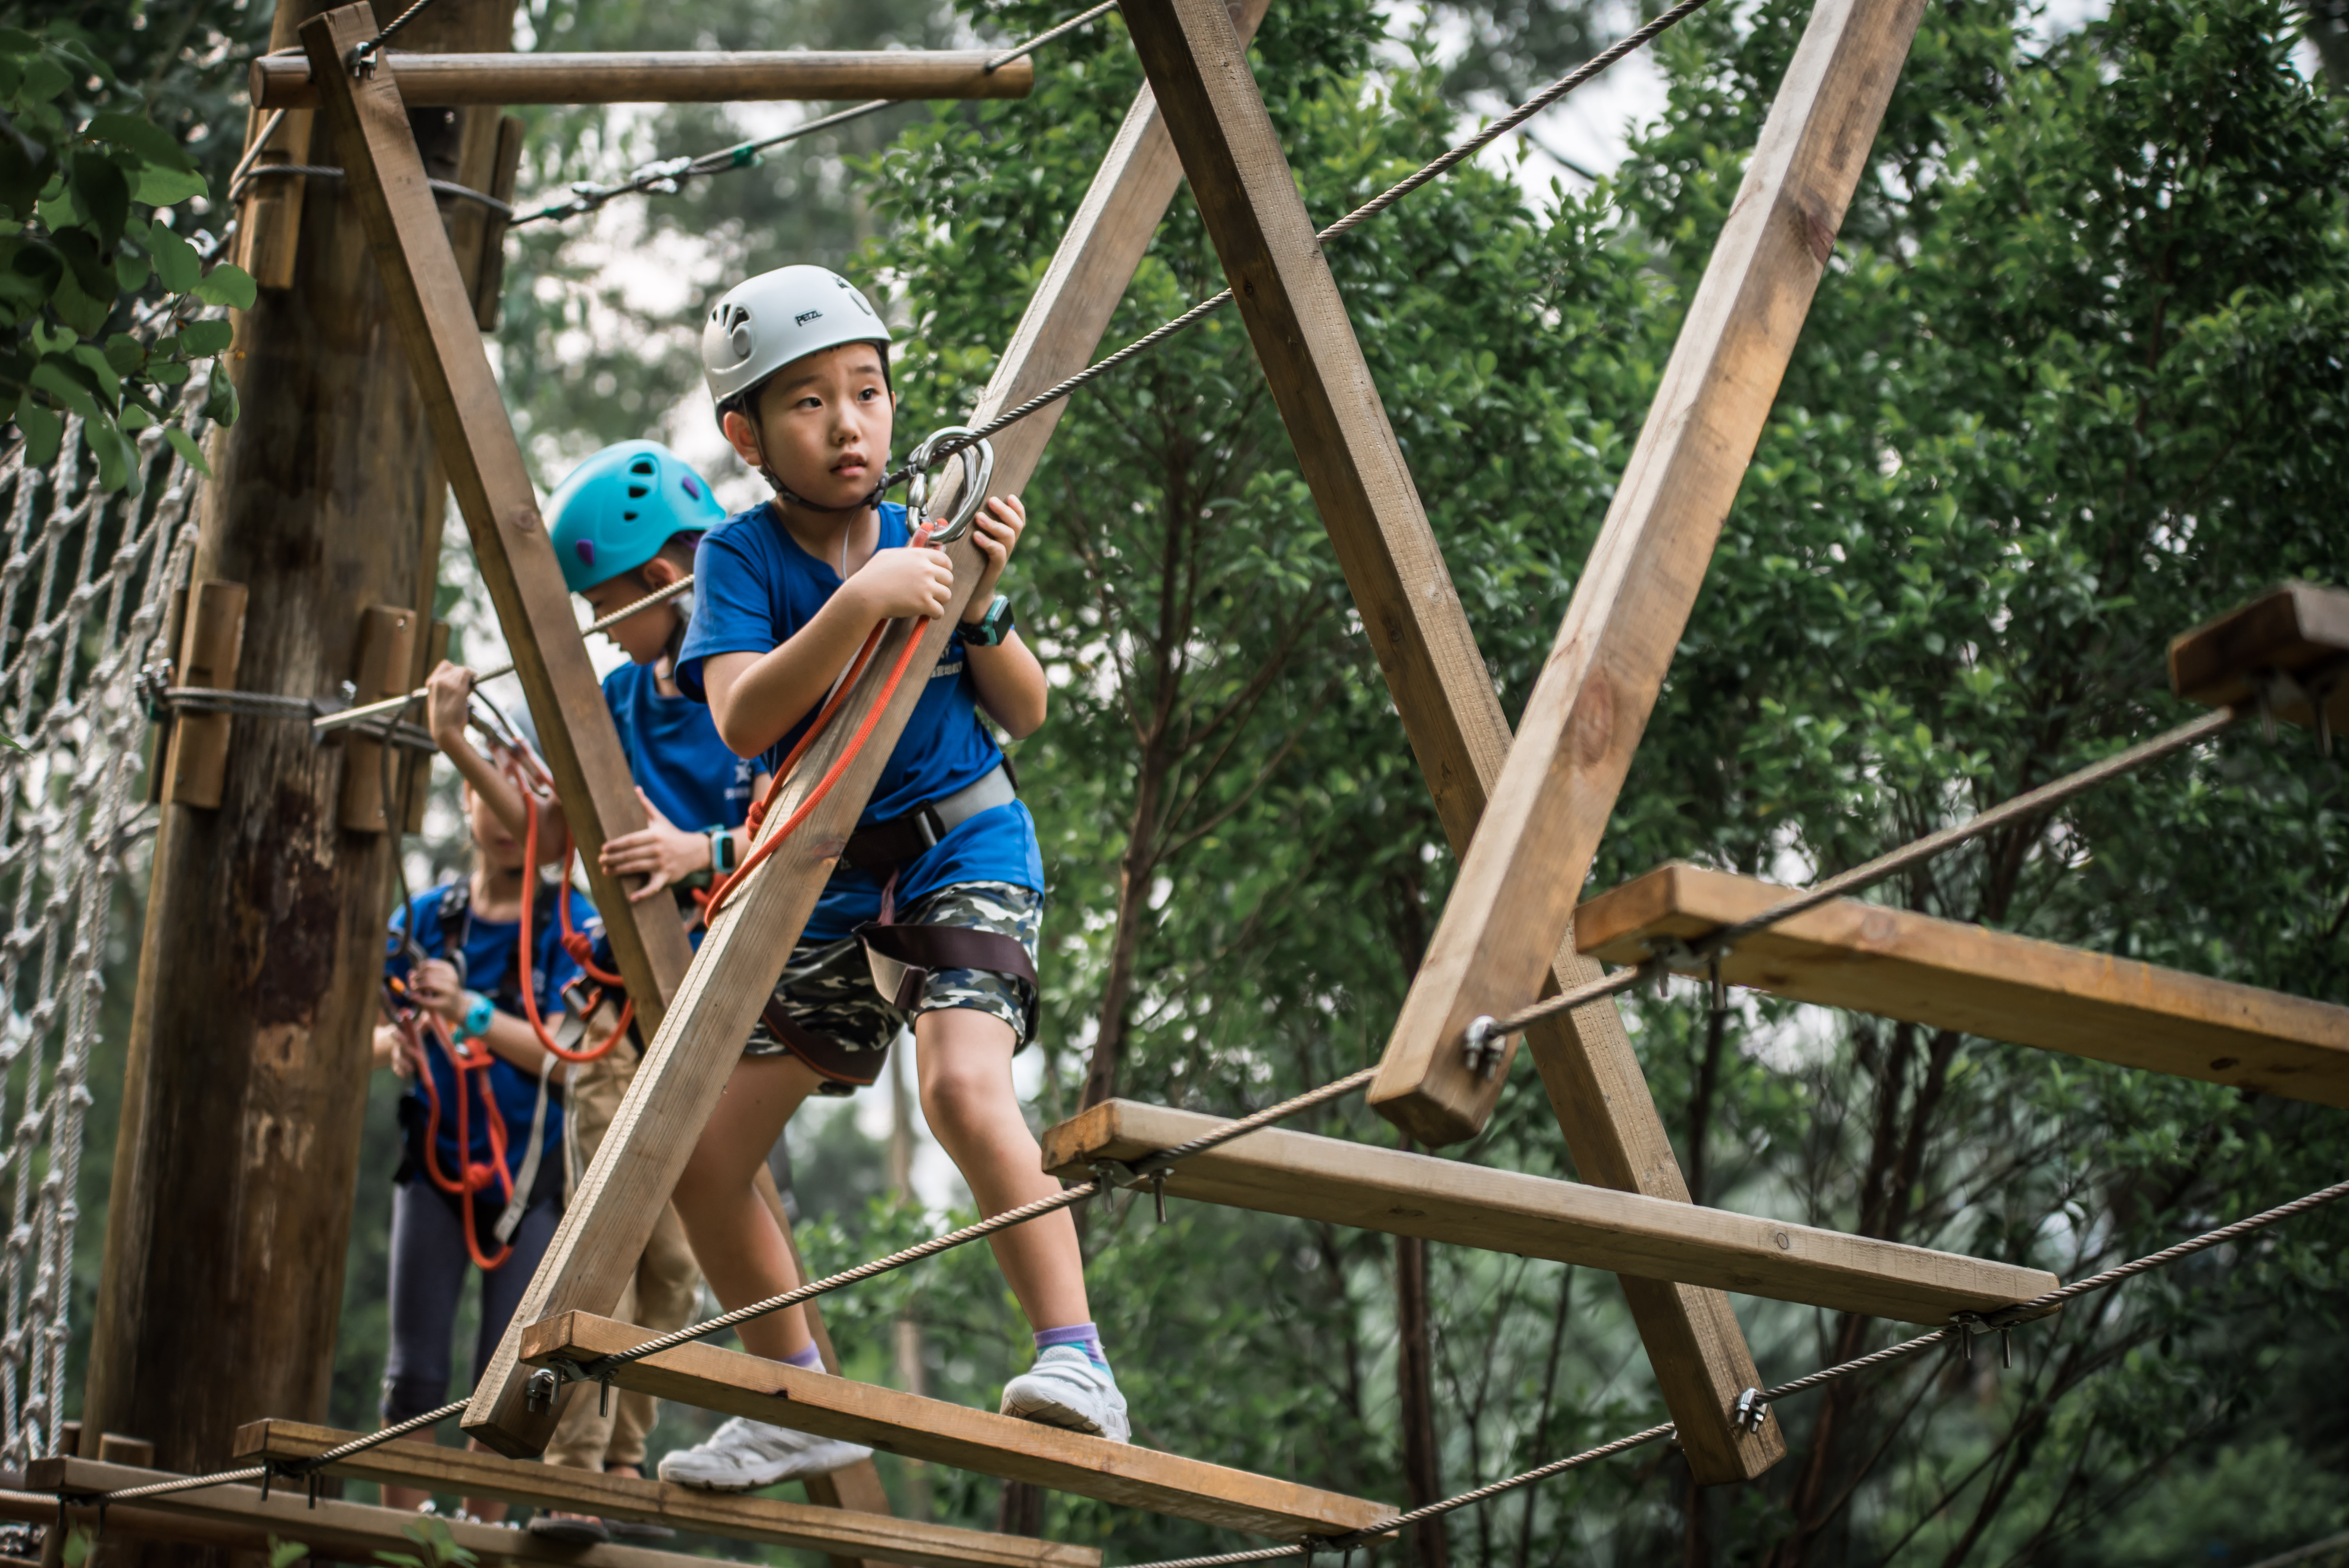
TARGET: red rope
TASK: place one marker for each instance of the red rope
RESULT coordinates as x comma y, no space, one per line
477,1174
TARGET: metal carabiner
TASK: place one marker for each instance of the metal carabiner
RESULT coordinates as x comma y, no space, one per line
977,473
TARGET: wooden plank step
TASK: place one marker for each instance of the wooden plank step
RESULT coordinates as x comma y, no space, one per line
2298,628
839,1532
741,1385
235,1516
1948,975
1276,1171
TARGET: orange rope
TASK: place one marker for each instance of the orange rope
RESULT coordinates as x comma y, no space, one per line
477,1175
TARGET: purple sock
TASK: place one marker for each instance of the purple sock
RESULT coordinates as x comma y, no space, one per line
811,1359
1082,1334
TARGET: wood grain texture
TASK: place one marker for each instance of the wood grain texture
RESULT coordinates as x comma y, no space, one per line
733,1515
211,647
236,1516
687,1066
387,650
1947,974
2299,628
932,1429
1276,1172
1514,899
1437,677
246,1084
650,76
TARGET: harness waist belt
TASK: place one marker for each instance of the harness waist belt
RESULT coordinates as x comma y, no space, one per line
885,845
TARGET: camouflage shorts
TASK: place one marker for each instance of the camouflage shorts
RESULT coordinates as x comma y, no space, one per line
827,989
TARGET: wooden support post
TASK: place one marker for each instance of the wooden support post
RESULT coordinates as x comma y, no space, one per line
159,747
289,81
386,652
1364,492
1512,902
416,780
210,650
615,1206
490,279
269,218
246,1084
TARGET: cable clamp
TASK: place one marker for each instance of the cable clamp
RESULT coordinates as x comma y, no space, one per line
1750,1411
1484,1045
1969,1324
1115,1173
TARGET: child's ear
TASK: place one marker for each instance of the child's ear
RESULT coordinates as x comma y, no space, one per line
657,574
742,436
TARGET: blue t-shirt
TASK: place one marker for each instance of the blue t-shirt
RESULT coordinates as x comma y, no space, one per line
490,952
754,587
674,753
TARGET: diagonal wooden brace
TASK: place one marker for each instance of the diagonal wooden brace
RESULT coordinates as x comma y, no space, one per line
1513,900
437,318
1297,322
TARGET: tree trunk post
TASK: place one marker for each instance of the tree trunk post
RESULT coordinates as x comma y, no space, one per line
249,1060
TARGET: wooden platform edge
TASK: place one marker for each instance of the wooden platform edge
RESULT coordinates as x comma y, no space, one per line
737,1384
742,1517
2300,629
1370,1188
1943,974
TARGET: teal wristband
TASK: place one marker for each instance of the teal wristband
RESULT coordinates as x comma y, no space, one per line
477,1019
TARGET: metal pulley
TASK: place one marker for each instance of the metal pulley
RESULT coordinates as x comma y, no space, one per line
978,472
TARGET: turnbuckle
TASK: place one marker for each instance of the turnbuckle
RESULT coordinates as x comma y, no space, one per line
978,472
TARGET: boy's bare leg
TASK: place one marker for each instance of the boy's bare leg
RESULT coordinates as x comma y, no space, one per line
739,1247
963,1065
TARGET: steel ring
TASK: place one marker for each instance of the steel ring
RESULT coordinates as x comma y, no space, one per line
977,473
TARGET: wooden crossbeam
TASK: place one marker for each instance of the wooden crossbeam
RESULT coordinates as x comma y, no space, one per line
686,1069
1948,975
284,81
1276,1172
1363,490
1514,899
737,1385
237,1517
473,1474
437,323
2297,629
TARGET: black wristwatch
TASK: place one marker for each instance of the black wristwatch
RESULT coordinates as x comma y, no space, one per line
989,630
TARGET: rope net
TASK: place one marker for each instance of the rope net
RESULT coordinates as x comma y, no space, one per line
85,582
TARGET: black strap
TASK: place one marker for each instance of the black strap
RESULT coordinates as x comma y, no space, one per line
924,948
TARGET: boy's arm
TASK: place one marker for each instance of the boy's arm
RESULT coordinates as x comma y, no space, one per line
446,713
755,699
1010,682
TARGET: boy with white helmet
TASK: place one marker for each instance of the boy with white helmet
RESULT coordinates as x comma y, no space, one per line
624,525
944,859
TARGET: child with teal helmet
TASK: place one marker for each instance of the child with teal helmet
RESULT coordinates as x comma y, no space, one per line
625,524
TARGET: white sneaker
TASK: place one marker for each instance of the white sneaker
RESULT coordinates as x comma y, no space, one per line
745,1455
1065,1389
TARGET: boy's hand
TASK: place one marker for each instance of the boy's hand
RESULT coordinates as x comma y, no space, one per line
996,531
435,985
390,1050
663,853
447,694
897,582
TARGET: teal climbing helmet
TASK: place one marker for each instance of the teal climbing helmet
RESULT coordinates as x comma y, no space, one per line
619,506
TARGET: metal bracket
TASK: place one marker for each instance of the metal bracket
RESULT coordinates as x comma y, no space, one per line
1115,1173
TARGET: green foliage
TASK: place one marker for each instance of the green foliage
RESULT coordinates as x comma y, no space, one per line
285,1553
85,233
436,1547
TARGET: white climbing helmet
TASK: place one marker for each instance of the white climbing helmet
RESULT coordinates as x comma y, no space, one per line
763,323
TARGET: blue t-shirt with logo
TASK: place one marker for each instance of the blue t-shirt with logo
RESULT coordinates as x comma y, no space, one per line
674,753
489,947
754,588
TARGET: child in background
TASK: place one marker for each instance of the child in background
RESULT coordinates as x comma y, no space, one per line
481,1187
798,361
624,525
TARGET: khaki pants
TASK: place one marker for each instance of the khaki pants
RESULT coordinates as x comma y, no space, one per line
662,1295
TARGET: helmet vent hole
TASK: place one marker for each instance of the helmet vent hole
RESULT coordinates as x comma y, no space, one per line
638,492
627,517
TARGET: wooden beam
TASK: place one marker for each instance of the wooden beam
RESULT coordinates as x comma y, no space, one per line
1343,1183
285,81
354,1532
438,320
739,1385
1514,899
2295,629
737,1516
613,1212
1450,711
1946,974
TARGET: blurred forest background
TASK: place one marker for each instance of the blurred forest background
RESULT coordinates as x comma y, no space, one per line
2074,383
